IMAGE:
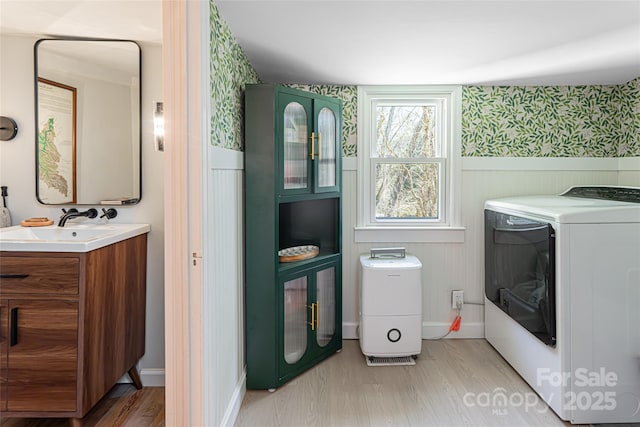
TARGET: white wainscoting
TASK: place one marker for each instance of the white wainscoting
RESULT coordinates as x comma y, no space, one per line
629,172
449,266
629,164
629,178
223,301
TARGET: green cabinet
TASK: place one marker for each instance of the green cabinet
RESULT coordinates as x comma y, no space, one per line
293,312
308,142
309,317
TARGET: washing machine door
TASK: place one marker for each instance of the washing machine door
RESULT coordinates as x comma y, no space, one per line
520,271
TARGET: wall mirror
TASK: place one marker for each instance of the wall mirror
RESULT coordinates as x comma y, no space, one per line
88,138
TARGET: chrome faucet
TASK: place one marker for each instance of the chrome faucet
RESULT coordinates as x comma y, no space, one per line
74,213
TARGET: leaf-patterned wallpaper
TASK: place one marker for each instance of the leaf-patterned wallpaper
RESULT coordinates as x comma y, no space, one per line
530,121
629,119
549,121
497,121
349,97
229,71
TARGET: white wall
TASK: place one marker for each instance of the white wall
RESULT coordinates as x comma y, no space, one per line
17,172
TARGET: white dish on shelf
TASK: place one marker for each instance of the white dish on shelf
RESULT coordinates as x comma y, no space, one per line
298,253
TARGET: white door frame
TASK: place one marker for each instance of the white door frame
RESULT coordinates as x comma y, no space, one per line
184,38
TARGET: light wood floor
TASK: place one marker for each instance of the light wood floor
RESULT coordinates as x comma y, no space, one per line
344,391
122,406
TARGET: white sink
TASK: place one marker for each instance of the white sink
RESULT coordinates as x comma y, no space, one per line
71,238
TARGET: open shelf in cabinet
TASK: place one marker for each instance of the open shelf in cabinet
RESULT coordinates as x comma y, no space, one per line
310,222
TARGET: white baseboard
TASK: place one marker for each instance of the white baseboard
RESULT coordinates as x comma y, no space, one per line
233,408
467,330
152,377
429,330
149,378
349,330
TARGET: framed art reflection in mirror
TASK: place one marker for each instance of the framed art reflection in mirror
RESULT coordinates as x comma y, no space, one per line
56,142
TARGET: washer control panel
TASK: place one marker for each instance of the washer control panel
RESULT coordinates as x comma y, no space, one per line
618,194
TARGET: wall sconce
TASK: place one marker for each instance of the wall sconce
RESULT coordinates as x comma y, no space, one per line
158,126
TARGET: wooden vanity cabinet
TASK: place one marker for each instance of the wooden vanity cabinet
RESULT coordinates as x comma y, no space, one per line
4,336
71,325
42,364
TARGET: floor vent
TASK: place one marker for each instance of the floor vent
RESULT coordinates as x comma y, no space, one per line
390,361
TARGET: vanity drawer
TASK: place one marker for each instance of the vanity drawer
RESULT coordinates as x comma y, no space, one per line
39,275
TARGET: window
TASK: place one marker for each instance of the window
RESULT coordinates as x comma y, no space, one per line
409,151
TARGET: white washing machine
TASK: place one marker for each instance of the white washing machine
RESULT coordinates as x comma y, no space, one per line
562,298
390,304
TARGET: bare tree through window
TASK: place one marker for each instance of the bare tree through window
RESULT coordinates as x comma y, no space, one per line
406,184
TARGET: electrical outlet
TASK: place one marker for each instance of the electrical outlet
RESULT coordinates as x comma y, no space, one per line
457,299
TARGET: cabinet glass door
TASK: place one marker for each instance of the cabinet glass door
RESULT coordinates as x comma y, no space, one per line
295,139
328,145
326,305
311,329
326,148
295,319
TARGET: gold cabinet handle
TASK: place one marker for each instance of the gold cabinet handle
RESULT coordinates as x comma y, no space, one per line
319,145
313,316
317,308
313,145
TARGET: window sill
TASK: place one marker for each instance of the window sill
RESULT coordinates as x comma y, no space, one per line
409,234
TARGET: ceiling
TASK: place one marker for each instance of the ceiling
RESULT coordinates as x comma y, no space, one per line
539,42
138,20
524,42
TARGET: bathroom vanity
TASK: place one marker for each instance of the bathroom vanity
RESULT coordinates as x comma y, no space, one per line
71,325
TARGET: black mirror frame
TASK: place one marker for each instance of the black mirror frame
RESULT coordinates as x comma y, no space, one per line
35,92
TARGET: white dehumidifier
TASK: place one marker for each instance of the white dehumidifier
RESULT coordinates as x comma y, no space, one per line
390,306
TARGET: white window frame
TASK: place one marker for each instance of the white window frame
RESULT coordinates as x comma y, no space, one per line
447,228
